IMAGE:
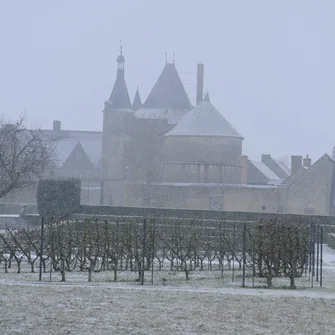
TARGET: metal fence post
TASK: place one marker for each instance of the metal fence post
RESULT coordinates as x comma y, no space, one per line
143,250
153,250
233,253
41,248
321,254
244,253
317,251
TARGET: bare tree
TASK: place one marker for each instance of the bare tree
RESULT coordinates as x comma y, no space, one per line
25,155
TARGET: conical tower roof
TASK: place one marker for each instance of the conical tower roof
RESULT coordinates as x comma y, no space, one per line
168,91
204,120
137,104
119,97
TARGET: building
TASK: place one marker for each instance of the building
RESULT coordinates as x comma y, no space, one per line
77,154
165,152
193,156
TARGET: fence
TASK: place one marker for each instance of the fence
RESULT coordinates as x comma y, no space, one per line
250,251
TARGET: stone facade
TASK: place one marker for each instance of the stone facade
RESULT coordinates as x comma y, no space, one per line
311,192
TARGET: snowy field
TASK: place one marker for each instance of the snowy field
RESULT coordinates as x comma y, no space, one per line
116,309
203,305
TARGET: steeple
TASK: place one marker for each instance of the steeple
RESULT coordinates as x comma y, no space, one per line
119,97
120,62
137,104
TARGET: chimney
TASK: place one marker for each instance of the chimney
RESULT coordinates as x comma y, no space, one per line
200,82
296,164
307,162
56,125
244,172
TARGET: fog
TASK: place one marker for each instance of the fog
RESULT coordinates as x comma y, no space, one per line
269,66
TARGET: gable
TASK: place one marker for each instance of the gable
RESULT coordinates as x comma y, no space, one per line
78,159
312,191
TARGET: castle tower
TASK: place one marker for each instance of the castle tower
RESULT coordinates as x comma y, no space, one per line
203,148
118,120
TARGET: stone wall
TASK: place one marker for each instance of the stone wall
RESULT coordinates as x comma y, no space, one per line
108,211
90,194
208,197
202,159
311,192
210,149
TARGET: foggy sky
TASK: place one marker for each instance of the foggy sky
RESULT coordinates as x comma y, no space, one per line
269,65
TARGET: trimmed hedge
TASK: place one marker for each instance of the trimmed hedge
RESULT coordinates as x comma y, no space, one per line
58,197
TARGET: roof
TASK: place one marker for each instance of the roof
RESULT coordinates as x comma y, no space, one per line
173,116
168,91
283,166
119,97
291,178
204,120
137,100
66,141
264,170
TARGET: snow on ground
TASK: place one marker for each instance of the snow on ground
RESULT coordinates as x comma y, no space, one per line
85,309
205,304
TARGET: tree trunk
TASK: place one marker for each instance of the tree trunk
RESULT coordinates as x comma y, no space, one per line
221,266
6,266
62,271
63,275
186,273
32,266
292,283
139,271
115,270
18,266
159,264
90,270
269,280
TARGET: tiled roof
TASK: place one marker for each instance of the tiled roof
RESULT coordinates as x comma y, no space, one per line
168,91
204,120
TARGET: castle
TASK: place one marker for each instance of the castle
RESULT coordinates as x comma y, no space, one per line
165,140
165,152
